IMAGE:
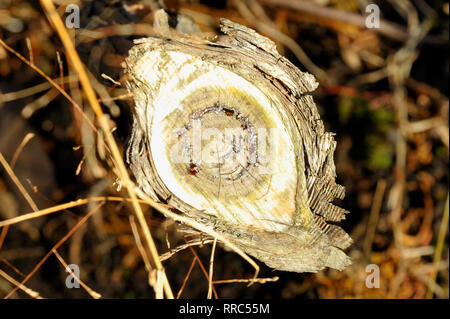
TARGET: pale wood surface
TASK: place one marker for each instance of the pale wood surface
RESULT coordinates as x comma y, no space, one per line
237,81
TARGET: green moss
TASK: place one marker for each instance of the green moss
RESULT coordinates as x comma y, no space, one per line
441,152
369,131
126,272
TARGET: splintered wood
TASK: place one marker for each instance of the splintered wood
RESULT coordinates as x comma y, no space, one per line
227,132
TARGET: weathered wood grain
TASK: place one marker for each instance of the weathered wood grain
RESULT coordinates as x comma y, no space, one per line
237,81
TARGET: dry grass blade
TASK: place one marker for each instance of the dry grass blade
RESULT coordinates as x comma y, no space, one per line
115,98
3,235
55,19
30,50
438,251
202,267
16,95
211,269
107,77
18,183
57,208
18,285
17,271
177,249
39,103
139,245
53,82
373,218
191,267
43,212
115,30
58,244
257,280
24,142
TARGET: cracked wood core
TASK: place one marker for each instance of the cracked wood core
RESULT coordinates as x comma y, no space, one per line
228,133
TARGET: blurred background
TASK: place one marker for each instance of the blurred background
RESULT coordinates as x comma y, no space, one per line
383,91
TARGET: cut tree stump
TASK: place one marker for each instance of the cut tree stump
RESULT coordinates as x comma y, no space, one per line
227,132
